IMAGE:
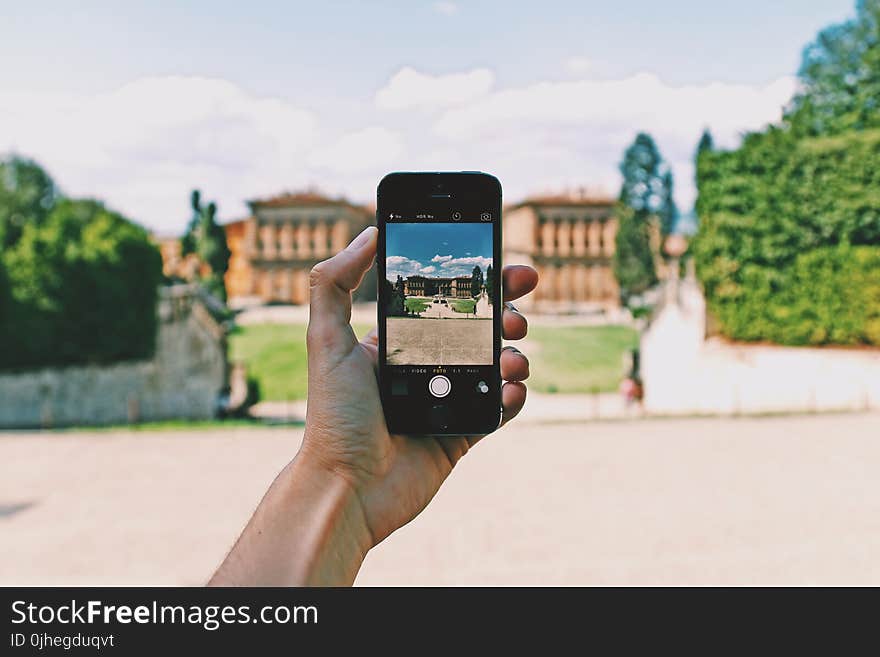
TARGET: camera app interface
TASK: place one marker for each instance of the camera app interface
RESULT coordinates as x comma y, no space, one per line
438,293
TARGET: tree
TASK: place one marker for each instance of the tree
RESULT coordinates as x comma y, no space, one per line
83,289
645,198
207,239
395,293
706,143
27,196
490,283
647,182
633,262
840,77
394,304
787,249
476,281
668,211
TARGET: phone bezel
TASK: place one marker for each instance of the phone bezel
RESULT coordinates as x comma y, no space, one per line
438,192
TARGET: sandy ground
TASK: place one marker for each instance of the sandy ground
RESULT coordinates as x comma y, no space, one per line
697,501
414,341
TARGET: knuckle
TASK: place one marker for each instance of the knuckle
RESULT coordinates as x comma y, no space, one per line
318,274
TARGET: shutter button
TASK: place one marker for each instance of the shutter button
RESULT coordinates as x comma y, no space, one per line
439,386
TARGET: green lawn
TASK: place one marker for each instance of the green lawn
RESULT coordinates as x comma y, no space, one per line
275,355
417,304
463,305
572,359
579,359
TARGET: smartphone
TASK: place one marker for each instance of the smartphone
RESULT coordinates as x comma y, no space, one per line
439,302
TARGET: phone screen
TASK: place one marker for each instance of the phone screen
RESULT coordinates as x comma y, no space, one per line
438,309
439,313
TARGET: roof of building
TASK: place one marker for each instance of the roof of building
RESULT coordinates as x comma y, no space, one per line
309,198
565,200
435,278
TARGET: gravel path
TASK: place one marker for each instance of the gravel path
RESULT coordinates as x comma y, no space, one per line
697,501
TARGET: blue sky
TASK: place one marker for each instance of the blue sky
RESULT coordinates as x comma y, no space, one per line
441,249
137,102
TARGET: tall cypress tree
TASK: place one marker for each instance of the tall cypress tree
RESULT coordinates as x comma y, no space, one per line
645,198
476,281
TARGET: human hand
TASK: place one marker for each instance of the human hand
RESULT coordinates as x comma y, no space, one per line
352,483
393,476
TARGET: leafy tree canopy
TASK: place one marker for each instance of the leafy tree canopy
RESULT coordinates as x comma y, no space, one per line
82,289
27,195
647,182
840,75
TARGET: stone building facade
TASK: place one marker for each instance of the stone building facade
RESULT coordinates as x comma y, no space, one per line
274,249
570,241
428,286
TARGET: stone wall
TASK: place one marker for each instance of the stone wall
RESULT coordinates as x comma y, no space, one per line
184,379
684,373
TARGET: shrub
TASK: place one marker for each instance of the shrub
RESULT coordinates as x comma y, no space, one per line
82,288
789,241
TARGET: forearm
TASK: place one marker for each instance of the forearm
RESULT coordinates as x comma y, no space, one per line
308,530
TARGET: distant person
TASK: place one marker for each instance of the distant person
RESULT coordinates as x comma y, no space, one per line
352,484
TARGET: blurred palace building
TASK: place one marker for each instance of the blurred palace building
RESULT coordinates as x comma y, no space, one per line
568,239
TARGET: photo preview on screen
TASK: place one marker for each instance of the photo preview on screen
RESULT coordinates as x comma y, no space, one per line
438,283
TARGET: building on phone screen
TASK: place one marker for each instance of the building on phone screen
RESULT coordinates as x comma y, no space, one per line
429,286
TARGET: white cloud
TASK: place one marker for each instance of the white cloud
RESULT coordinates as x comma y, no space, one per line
394,261
457,263
144,145
446,8
427,270
400,266
552,135
440,258
373,148
409,89
579,65
640,102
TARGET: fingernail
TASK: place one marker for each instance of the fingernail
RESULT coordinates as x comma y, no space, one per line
510,306
361,239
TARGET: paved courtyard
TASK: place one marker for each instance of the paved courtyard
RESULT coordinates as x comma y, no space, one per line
417,341
739,501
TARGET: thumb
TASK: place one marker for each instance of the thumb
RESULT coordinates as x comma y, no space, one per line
330,286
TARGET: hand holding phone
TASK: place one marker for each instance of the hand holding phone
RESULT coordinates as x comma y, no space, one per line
353,482
395,475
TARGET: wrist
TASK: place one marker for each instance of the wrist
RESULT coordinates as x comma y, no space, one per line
309,530
333,537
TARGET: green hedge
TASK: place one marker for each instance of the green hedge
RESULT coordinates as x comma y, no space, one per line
789,242
81,287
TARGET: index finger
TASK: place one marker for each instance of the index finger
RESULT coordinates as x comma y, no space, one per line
517,281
